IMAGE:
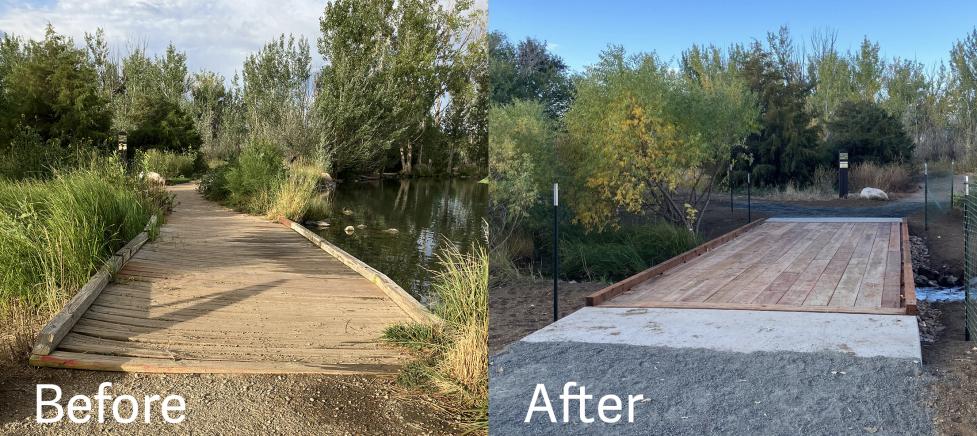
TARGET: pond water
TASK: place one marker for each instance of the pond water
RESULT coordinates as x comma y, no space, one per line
424,212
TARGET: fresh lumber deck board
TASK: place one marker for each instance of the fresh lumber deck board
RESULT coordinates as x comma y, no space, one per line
817,265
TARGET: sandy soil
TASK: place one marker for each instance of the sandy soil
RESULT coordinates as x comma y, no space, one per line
232,404
944,238
518,309
952,363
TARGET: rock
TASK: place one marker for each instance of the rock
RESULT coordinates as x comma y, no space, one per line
349,230
391,231
319,224
873,194
347,212
153,178
361,226
948,280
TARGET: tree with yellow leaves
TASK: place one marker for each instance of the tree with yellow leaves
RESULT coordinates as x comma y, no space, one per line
644,138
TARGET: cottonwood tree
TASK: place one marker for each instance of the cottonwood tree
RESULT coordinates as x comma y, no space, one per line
830,75
386,79
209,99
466,119
867,70
276,95
963,64
528,71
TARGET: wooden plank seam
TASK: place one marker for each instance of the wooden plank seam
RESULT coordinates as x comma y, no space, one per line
58,326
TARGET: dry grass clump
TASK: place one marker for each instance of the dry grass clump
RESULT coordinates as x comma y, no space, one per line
295,193
889,178
454,354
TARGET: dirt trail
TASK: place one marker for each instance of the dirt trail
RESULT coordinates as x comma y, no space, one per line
231,404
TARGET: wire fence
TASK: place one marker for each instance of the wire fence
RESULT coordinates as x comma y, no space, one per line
940,186
969,204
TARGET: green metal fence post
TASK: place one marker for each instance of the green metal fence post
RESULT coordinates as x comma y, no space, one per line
926,197
966,258
556,251
729,177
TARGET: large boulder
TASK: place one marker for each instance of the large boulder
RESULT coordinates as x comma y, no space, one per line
873,194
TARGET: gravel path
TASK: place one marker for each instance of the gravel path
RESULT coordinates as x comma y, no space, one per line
696,391
231,404
890,209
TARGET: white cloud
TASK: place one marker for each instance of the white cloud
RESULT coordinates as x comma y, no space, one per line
216,34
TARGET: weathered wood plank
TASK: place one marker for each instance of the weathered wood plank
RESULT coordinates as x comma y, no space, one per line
58,326
224,292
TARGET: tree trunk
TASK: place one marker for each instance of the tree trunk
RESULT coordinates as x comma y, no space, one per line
406,159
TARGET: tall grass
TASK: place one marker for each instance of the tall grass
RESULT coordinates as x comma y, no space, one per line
454,354
171,164
889,178
259,182
617,254
55,234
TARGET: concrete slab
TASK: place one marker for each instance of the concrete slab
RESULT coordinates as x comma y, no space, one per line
894,336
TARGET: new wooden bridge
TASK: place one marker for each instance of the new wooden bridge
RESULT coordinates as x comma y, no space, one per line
220,291
843,265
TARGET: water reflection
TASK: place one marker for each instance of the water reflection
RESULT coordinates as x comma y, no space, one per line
399,225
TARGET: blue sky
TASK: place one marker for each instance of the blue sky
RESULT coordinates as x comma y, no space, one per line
578,30
215,34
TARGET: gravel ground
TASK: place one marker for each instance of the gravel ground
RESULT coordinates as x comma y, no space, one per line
696,391
231,404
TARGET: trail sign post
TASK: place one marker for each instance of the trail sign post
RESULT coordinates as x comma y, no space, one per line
842,174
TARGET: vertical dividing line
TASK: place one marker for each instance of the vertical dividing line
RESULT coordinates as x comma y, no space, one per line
926,196
556,250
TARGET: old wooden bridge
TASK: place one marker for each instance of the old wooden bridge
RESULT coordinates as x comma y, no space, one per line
220,291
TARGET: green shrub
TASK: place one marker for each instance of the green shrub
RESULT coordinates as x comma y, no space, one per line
617,254
252,179
171,164
258,182
213,184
